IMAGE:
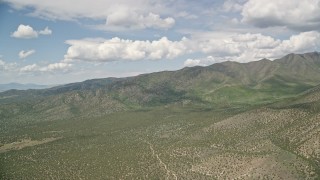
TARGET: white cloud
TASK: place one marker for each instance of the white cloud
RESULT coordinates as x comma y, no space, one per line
67,10
216,46
186,15
250,47
23,54
136,14
192,62
4,66
121,49
30,68
46,31
33,68
294,14
206,61
233,5
25,32
303,42
60,66
132,20
56,67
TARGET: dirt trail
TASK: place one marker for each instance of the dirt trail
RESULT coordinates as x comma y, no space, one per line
169,172
25,143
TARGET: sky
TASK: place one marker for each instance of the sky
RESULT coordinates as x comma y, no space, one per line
56,42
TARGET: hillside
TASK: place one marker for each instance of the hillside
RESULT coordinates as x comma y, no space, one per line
222,85
258,120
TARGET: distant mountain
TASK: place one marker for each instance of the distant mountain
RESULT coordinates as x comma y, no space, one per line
220,85
18,86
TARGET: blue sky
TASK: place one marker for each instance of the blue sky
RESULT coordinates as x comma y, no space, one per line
56,42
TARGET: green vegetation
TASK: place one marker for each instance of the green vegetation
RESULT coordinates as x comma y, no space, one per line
259,120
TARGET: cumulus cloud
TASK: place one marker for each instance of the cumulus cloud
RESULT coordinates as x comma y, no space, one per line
137,14
294,14
207,61
132,20
30,68
34,68
203,61
121,49
191,62
233,5
60,66
56,66
23,54
217,47
250,47
186,15
46,31
303,42
4,66
27,32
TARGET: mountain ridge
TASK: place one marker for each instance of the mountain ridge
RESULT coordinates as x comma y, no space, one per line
19,86
217,85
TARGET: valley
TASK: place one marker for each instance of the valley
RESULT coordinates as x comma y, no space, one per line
258,120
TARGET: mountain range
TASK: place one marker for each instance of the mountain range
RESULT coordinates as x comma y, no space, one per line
219,85
18,86
228,120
